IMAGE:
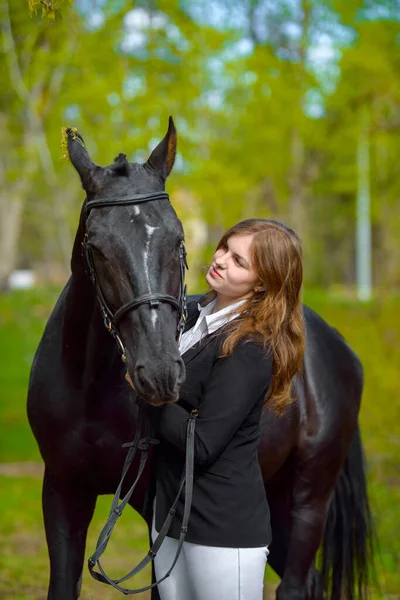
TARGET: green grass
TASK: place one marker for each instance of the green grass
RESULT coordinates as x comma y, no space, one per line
373,331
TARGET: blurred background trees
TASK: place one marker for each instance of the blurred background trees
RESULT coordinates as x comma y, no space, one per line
269,97
273,100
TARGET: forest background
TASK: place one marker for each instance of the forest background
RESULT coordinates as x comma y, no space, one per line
272,100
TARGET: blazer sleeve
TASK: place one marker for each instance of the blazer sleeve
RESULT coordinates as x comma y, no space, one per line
236,384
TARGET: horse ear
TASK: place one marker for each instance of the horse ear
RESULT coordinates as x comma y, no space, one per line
163,156
79,156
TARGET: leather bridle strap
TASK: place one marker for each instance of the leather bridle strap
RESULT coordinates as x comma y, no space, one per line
111,319
123,200
153,300
117,509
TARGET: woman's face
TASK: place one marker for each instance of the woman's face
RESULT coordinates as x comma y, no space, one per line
231,273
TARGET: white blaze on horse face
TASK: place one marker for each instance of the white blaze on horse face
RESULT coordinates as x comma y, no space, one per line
149,230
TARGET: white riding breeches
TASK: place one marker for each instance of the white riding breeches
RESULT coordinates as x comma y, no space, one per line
209,572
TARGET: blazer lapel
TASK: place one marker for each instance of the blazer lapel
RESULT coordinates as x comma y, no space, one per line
192,352
193,314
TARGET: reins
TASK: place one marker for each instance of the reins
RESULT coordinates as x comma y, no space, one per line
116,509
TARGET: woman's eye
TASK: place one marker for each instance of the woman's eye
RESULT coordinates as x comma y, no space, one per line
237,260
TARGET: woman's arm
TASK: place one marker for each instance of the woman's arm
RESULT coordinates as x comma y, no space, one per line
236,383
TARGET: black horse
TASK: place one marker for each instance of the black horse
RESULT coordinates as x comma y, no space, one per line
81,409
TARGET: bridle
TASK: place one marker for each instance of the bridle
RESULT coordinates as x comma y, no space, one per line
111,319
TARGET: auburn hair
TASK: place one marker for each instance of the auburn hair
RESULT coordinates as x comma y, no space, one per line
273,315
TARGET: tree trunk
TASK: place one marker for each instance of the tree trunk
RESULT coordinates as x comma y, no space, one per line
11,211
298,192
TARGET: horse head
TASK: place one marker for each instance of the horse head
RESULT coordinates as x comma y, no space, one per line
133,242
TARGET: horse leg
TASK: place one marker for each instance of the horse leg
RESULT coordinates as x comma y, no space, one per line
312,492
67,512
279,493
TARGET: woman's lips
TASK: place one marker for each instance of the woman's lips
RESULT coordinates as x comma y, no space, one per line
215,273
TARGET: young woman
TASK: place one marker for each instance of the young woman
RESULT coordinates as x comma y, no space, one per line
241,347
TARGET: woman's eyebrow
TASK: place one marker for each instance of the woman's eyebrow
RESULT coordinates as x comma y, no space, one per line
238,256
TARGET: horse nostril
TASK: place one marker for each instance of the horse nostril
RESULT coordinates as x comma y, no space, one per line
140,370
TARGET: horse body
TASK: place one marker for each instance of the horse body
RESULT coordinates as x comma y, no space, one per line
328,390
81,411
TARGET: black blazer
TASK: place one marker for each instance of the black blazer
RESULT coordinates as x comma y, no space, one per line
229,507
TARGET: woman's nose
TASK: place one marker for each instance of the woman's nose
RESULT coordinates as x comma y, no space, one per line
221,261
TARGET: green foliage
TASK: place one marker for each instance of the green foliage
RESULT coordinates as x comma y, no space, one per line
51,9
266,127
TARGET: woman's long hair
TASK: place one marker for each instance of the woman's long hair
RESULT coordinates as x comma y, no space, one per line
273,315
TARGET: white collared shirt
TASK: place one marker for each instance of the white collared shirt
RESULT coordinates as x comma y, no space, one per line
207,323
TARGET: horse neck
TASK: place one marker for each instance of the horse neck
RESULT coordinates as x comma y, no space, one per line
88,348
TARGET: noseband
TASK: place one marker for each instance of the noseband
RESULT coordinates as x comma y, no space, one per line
111,319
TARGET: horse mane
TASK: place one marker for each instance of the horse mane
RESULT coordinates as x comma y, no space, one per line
121,165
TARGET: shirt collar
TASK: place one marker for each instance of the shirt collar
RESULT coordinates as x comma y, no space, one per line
216,320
